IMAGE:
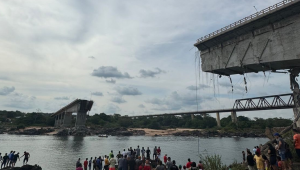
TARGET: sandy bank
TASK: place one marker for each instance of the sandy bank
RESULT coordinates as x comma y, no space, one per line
153,132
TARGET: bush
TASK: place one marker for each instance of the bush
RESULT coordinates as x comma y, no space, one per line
20,127
212,162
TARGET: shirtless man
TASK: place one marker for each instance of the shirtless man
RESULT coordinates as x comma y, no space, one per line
26,157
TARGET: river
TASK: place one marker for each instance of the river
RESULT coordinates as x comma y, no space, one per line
53,152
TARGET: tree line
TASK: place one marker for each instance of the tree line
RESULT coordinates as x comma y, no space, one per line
161,122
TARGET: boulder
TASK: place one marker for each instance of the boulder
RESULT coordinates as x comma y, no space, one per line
25,167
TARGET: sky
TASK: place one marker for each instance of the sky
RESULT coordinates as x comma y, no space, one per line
130,57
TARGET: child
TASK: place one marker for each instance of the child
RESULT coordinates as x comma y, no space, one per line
267,163
280,163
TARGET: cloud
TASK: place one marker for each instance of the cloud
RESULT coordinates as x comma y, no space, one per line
110,72
21,101
92,57
97,93
111,109
6,90
118,100
141,106
112,81
62,98
174,101
132,91
149,73
201,86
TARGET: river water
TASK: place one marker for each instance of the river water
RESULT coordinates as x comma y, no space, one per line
53,152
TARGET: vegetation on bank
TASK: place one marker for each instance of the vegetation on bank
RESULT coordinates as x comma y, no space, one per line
20,119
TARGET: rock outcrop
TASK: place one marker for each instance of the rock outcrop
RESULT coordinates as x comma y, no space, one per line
25,167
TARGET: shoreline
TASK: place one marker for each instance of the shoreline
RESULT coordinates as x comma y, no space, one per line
94,131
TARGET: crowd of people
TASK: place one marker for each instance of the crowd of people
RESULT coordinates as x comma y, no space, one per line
277,155
135,159
10,160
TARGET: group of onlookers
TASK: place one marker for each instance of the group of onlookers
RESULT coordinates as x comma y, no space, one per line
10,160
135,159
278,155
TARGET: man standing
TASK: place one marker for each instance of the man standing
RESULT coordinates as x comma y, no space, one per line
110,154
169,163
148,152
296,138
143,152
120,163
77,163
90,163
174,167
281,148
138,151
106,163
188,164
27,156
158,152
85,163
124,153
15,158
154,152
5,159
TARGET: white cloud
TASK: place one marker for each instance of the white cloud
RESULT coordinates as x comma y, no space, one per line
97,93
131,91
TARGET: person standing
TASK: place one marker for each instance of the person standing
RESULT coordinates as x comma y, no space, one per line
79,167
244,157
124,153
106,163
0,158
15,159
259,161
120,163
112,163
281,148
85,163
119,156
27,156
125,163
188,164
272,155
138,151
154,152
95,163
143,152
4,161
296,139
110,154
169,163
174,166
77,163
254,150
131,163
201,167
148,152
90,163
160,166
250,161
165,159
158,152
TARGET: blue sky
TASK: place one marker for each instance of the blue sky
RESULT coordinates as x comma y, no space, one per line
130,57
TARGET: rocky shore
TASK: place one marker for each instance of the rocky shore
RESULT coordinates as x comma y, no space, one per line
93,131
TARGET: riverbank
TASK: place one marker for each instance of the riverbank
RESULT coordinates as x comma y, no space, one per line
92,131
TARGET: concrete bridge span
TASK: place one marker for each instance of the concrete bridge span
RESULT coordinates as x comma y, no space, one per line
63,117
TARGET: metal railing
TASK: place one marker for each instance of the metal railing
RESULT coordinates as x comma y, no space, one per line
248,18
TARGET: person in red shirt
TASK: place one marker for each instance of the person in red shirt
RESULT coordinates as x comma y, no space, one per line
147,165
188,164
258,149
165,159
79,167
85,164
296,138
141,167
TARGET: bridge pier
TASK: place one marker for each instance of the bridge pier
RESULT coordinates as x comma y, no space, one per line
218,119
67,119
233,117
80,119
192,116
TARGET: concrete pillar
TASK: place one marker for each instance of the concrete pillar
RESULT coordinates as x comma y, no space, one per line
218,119
233,117
80,119
192,116
67,119
55,123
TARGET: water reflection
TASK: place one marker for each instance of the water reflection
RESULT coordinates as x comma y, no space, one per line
78,143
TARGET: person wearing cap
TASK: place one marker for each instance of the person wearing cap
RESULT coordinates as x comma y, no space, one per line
296,139
281,148
174,167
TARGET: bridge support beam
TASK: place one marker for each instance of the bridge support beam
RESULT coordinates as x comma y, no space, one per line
233,117
192,116
218,119
81,119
